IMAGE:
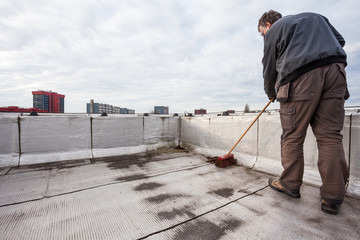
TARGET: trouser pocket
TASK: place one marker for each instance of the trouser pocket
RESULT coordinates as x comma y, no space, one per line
283,93
341,67
287,117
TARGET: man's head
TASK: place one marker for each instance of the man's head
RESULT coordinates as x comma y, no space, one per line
266,20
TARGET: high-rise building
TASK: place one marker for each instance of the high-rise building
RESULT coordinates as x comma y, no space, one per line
49,101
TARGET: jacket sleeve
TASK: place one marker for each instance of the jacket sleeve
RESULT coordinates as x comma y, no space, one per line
269,68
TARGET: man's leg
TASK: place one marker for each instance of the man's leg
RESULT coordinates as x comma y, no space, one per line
296,114
327,125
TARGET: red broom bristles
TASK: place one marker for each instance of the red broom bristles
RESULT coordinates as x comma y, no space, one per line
225,161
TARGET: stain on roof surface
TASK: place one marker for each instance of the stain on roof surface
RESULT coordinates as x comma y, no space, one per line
161,195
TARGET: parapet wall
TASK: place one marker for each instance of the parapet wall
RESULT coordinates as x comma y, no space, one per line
260,147
28,140
36,139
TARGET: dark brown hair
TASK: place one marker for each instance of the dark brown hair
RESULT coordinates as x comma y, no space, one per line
270,17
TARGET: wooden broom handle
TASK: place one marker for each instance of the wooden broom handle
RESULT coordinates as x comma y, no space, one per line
251,125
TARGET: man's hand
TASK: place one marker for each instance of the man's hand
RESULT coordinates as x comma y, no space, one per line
272,97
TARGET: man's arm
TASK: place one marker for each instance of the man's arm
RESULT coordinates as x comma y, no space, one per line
269,69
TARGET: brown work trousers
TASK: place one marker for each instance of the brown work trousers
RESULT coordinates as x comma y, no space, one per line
316,98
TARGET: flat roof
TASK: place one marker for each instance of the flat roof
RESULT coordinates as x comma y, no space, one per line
163,194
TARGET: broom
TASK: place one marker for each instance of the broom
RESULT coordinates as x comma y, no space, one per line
228,159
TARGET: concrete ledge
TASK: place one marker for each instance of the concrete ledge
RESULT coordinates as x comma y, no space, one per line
9,141
107,152
219,132
7,160
159,129
114,132
54,138
54,134
116,135
35,158
354,187
60,138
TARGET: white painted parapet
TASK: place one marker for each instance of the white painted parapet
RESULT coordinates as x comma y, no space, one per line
161,129
37,139
119,135
115,136
216,135
9,141
260,148
54,138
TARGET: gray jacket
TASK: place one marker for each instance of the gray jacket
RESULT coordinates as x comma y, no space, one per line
296,44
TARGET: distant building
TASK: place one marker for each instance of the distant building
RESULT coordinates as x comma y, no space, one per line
227,113
106,108
51,102
200,111
130,111
161,110
20,110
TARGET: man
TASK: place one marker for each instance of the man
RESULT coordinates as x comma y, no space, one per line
304,69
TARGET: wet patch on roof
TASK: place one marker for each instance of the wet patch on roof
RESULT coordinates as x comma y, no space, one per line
257,194
139,159
131,177
125,161
314,220
258,212
253,173
211,159
176,212
247,192
224,192
163,197
276,203
148,186
352,221
50,165
205,229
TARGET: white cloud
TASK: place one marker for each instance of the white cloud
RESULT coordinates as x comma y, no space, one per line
141,53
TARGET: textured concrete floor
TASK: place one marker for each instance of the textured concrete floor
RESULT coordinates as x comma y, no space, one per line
165,194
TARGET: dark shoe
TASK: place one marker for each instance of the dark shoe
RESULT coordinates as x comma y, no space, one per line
329,207
274,183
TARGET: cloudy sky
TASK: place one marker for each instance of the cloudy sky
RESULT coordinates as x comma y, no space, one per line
185,54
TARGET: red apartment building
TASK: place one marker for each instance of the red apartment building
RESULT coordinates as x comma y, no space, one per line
51,102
